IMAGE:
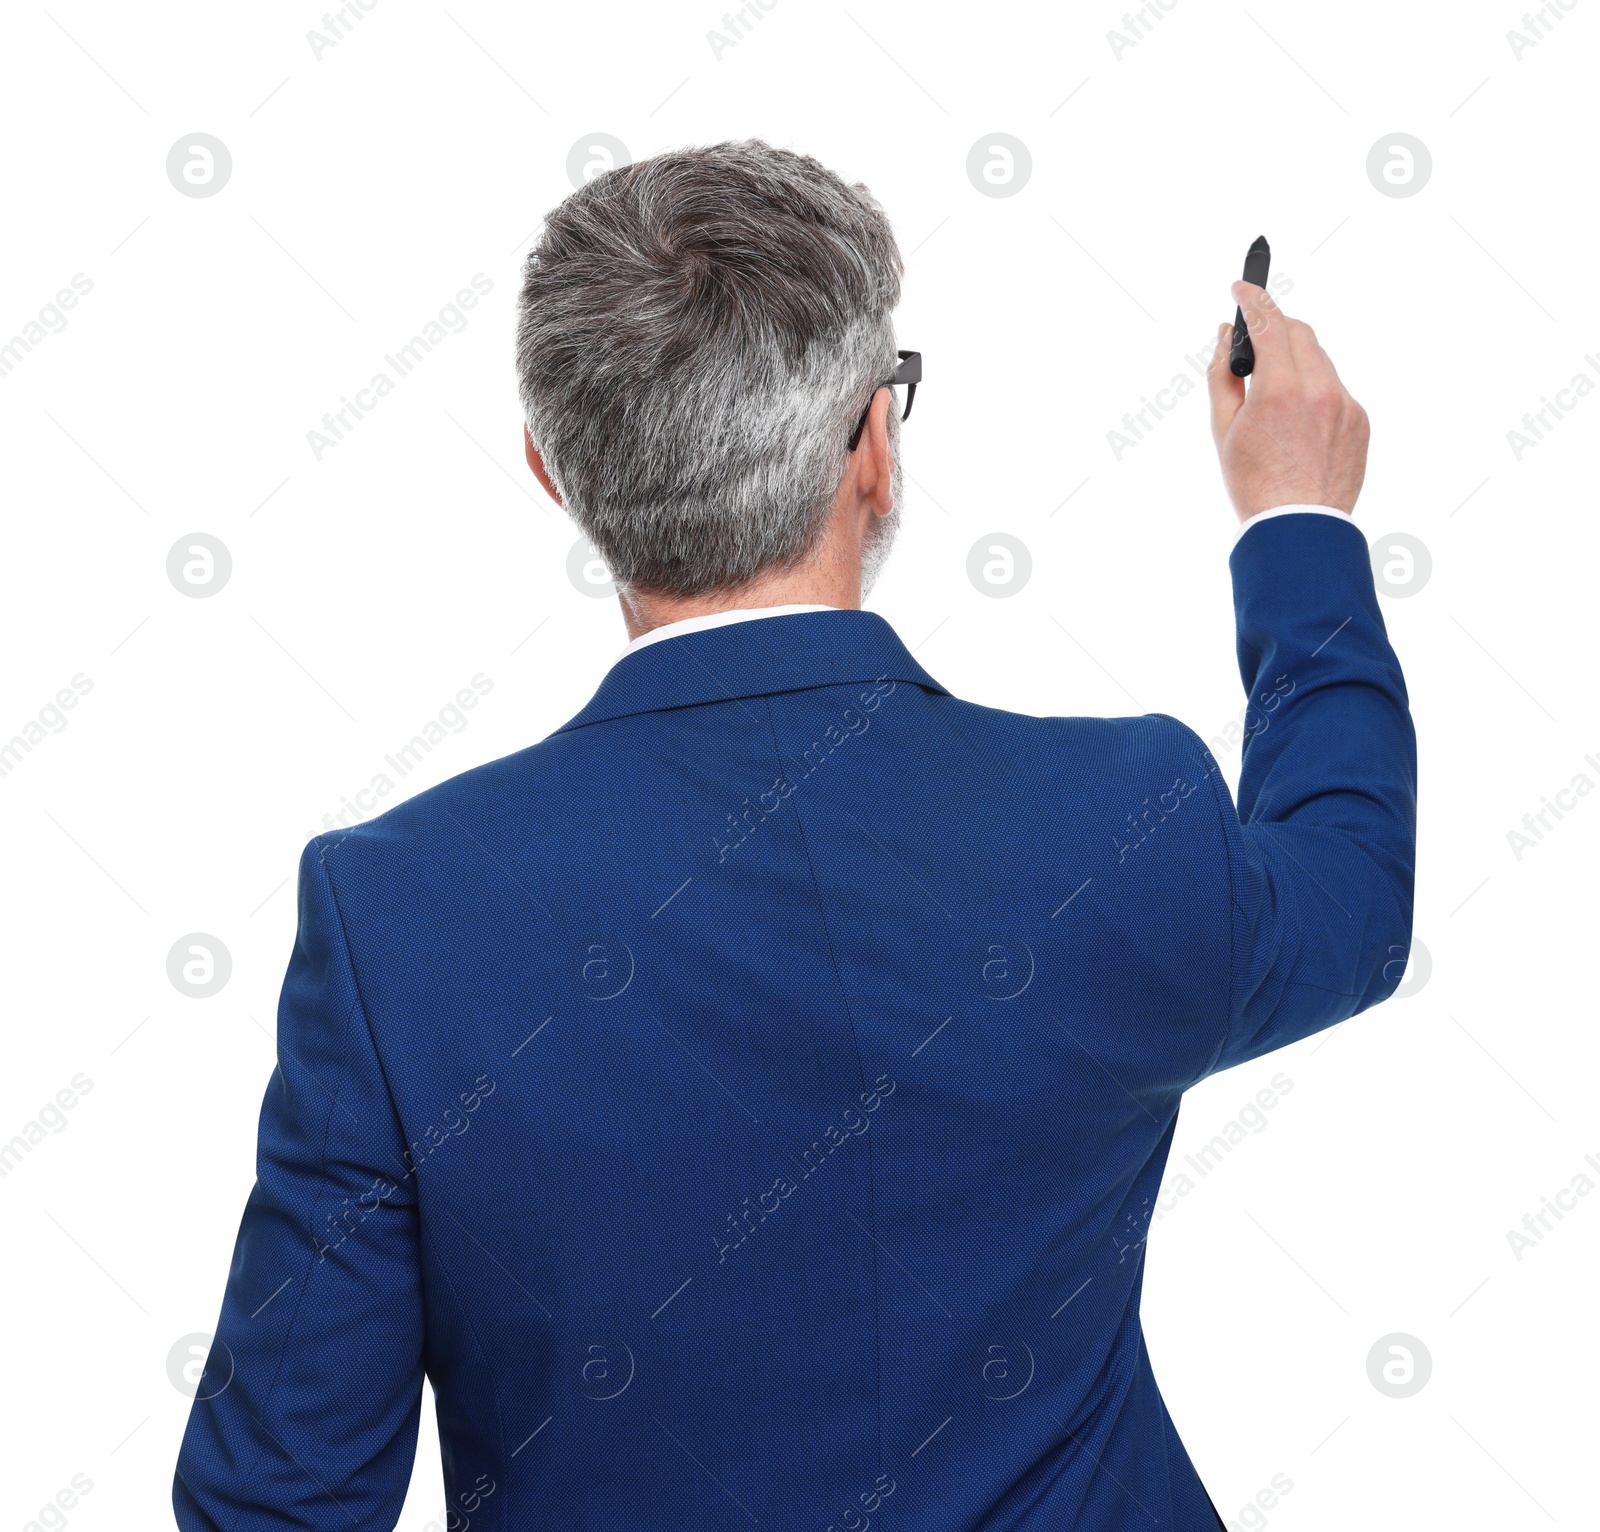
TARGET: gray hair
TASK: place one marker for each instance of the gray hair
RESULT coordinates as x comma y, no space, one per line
698,334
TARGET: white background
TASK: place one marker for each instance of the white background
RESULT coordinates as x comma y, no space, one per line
370,185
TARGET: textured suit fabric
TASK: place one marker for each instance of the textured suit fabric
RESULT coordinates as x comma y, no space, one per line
746,1106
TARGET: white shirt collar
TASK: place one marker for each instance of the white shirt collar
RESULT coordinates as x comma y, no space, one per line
718,620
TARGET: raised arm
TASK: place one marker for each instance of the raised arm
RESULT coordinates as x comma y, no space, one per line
1321,848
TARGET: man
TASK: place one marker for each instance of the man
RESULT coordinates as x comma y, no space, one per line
746,1106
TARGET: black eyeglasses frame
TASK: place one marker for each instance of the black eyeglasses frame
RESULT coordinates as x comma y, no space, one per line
909,373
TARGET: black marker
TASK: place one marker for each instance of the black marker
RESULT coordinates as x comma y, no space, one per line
1242,358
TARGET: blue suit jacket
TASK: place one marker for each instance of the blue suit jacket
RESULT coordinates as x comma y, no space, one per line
746,1106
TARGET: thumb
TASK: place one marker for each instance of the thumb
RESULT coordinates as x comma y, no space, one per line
1227,391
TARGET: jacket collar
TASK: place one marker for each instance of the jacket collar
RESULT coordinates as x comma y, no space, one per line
754,659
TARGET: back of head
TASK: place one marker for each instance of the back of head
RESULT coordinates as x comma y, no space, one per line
698,333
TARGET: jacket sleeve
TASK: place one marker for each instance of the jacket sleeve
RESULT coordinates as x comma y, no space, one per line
1321,850
306,1414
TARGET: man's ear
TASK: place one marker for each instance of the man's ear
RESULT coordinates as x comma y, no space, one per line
536,463
877,481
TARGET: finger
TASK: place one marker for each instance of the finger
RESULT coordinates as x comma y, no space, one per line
1303,344
1314,365
1265,321
1227,391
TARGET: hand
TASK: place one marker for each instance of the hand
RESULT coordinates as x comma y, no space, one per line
1297,437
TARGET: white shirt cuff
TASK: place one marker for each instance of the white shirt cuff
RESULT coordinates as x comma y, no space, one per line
1289,510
